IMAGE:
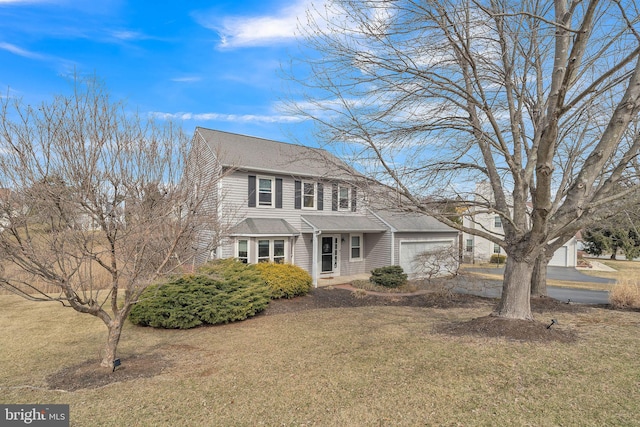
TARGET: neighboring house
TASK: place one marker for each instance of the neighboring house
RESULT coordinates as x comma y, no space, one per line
294,204
477,249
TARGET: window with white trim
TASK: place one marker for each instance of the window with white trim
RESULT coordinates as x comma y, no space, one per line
469,247
271,251
242,252
496,248
266,191
355,254
497,222
308,195
278,251
344,200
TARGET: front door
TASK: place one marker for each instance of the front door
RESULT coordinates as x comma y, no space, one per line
329,254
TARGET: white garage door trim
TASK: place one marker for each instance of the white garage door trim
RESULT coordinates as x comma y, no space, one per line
406,264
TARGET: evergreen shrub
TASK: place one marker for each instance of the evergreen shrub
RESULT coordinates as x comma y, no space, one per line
285,280
391,276
220,292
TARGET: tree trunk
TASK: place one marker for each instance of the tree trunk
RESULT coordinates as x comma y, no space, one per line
115,329
515,302
539,277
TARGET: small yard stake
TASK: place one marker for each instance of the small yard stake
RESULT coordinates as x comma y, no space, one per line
553,322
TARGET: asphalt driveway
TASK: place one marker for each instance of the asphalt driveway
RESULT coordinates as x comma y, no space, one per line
567,274
583,296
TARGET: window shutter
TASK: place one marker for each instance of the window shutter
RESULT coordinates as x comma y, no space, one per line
252,191
279,193
320,196
334,197
354,197
298,195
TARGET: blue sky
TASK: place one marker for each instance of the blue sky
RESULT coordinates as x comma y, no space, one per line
206,63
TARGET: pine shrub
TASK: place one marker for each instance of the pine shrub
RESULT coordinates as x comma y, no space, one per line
285,280
220,292
391,276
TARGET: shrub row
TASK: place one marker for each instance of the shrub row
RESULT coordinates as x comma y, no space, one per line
222,291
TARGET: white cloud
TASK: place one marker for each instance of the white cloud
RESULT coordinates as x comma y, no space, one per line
186,79
21,52
247,31
235,118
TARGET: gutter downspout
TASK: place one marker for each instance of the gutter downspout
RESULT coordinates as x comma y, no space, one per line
314,252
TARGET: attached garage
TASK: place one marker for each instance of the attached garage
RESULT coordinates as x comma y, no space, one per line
428,258
559,258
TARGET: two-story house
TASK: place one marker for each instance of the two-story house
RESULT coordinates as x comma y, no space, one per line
479,250
301,205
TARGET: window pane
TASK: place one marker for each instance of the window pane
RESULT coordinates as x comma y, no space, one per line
344,197
498,222
265,185
265,198
263,249
242,248
355,252
264,192
309,194
278,248
355,241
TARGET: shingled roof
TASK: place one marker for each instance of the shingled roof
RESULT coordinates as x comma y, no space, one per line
258,154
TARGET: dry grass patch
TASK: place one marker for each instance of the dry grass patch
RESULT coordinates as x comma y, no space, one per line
367,365
625,294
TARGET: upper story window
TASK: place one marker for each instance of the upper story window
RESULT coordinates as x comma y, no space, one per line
497,222
343,198
265,191
469,246
308,195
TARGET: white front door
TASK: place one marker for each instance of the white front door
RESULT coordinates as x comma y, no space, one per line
329,254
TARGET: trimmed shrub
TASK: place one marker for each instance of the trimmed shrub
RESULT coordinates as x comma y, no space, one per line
220,292
625,294
285,280
390,277
498,259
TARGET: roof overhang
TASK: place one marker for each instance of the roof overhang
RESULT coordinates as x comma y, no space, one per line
344,224
263,227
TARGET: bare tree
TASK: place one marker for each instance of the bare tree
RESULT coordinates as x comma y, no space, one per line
538,99
98,204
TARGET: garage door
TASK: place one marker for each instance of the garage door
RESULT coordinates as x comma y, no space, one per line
432,258
559,258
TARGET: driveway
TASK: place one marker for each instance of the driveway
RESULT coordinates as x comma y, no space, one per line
583,296
567,274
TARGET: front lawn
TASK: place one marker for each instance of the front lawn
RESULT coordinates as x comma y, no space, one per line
356,366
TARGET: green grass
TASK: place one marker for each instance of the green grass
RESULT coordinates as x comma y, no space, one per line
370,366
